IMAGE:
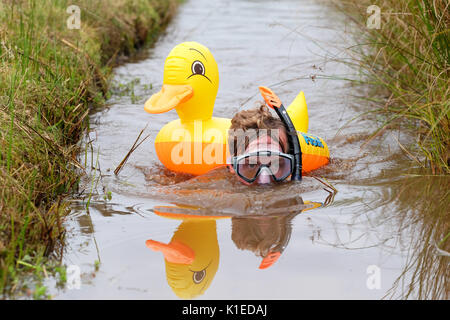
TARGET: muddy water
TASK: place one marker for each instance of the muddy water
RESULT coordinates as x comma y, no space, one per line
360,242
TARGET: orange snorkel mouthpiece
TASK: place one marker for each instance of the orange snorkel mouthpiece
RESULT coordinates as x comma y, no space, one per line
270,98
269,260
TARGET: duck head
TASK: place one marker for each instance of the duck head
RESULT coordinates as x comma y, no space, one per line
192,255
191,81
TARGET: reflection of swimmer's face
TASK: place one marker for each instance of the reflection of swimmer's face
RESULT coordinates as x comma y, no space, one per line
265,143
265,236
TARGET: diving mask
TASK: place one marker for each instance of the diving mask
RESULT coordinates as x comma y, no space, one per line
249,166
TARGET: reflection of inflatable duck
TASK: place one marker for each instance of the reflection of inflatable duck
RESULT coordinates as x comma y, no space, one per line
192,256
197,142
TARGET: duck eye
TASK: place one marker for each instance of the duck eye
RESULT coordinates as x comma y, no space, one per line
198,276
198,68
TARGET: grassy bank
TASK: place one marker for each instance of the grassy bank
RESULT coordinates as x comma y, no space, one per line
407,63
50,76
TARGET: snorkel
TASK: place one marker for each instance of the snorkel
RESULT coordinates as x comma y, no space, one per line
274,102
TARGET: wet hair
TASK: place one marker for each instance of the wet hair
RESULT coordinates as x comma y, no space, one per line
245,125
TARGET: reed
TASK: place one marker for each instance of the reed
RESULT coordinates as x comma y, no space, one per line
420,204
50,77
407,64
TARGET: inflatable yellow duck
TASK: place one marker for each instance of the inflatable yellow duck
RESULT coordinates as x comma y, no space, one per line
192,256
197,142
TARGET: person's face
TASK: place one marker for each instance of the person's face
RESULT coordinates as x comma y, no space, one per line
266,143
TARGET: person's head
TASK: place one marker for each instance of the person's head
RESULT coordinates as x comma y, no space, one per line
258,145
265,236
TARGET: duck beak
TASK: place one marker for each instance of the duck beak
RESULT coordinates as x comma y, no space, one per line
170,96
175,251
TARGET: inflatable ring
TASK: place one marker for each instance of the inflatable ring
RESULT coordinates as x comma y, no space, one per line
197,142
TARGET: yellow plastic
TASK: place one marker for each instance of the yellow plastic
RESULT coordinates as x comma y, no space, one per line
199,234
197,142
298,112
192,95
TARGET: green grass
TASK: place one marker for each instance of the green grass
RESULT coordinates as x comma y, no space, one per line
50,76
407,64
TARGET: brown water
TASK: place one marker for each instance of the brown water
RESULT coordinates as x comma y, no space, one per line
328,241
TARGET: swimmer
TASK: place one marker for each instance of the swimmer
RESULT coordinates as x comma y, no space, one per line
260,147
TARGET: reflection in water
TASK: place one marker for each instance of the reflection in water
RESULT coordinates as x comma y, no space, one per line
192,255
402,215
219,192
415,218
422,203
266,236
